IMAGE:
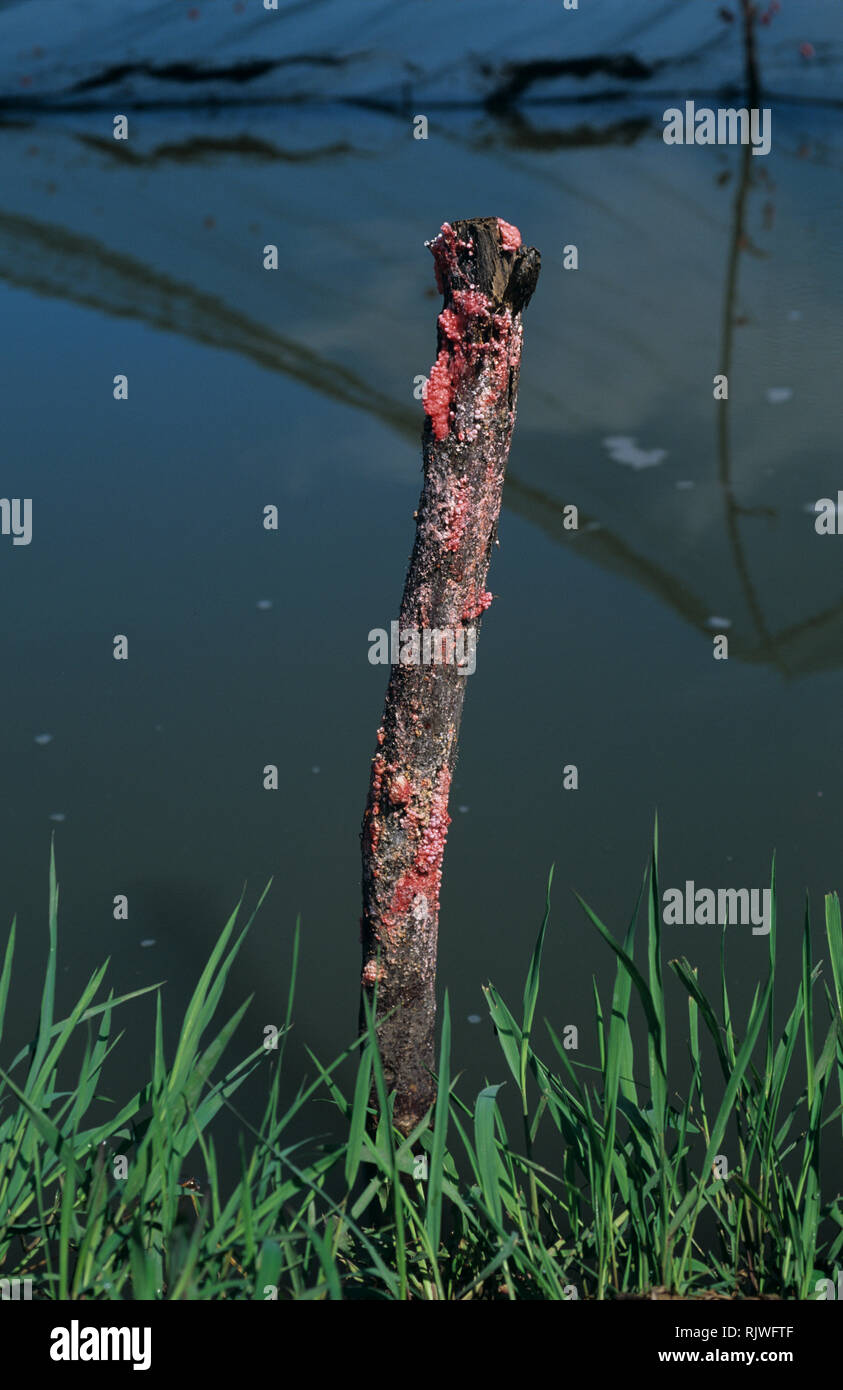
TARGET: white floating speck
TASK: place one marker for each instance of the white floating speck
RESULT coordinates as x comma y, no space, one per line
463,810
623,449
57,815
264,603
718,622
685,484
43,739
315,769
148,941
475,1018
776,395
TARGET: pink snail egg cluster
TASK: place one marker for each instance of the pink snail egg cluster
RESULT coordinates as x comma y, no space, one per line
424,877
510,236
400,790
456,352
372,973
475,605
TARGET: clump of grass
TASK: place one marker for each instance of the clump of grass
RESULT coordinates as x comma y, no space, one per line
639,1170
457,1210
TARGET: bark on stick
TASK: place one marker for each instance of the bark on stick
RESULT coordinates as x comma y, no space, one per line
486,277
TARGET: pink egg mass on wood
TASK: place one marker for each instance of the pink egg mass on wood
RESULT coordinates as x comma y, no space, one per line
486,277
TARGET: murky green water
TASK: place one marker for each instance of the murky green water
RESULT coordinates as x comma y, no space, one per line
249,647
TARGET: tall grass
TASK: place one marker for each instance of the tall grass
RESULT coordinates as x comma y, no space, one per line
458,1209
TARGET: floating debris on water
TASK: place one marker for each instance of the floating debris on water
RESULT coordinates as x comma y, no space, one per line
264,603
718,622
685,484
43,739
776,395
623,449
58,815
148,941
475,1018
464,810
315,769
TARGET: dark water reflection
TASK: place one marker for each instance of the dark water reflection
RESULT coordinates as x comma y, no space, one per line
248,388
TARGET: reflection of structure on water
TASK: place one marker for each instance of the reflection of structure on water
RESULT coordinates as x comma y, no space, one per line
487,51
691,264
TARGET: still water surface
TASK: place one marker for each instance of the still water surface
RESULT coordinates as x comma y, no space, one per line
249,647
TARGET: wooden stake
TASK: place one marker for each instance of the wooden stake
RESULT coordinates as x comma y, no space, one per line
486,277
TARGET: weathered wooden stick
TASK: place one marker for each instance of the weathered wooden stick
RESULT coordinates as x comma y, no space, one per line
486,277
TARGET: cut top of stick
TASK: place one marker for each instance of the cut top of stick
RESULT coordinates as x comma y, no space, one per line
486,278
485,255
